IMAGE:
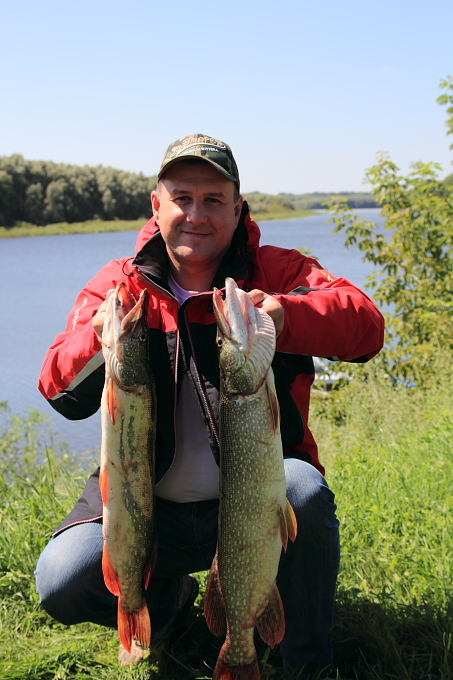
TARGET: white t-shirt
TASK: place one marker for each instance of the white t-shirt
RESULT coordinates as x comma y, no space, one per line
194,474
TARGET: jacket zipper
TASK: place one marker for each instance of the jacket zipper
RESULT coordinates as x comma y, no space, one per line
202,391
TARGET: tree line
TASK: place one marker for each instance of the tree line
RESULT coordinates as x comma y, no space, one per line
43,192
264,203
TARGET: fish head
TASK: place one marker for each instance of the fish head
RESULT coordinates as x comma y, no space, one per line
245,339
125,338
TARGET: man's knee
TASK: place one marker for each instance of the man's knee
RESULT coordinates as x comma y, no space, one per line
51,583
68,568
311,498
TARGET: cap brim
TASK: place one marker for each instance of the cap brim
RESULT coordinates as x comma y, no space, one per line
197,158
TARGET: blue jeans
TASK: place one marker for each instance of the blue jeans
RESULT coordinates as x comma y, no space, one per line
71,586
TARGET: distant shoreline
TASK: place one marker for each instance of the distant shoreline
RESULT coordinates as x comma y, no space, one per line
102,226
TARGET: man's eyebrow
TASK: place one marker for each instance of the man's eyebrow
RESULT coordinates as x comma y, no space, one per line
216,194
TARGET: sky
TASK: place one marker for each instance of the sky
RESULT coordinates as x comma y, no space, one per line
305,92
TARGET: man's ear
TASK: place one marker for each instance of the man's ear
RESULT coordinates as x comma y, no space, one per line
155,204
238,209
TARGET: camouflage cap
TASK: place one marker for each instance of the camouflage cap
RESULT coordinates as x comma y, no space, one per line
207,149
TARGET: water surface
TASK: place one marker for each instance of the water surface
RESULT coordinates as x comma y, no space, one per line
41,277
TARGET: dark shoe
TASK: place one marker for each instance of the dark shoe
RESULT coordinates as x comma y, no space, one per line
188,591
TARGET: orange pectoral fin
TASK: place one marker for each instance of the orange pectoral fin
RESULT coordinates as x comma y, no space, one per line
291,521
214,608
271,622
288,524
111,400
104,485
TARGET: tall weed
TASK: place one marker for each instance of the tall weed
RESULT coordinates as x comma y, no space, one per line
390,461
388,452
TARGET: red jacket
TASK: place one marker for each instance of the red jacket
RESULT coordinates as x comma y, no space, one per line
324,317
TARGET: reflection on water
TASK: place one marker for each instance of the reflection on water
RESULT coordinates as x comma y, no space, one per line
41,277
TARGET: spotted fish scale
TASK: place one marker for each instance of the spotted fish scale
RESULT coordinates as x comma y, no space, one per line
255,518
128,417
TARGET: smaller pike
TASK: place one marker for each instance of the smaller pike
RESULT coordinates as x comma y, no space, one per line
128,415
255,517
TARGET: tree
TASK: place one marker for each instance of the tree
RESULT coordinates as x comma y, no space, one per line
42,192
446,99
414,279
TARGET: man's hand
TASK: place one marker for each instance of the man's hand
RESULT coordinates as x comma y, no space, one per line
271,306
98,318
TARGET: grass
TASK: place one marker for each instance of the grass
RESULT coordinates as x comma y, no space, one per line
389,455
97,226
282,215
89,227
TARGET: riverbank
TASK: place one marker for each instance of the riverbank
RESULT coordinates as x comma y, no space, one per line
100,226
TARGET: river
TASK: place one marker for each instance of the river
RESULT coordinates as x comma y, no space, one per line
42,275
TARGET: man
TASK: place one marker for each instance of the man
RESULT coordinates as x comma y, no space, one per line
200,233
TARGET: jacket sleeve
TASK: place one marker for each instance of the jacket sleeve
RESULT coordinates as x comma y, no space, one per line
325,316
72,375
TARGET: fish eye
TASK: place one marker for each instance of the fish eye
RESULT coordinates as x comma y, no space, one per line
219,342
142,337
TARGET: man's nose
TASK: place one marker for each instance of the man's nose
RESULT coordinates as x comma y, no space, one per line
197,213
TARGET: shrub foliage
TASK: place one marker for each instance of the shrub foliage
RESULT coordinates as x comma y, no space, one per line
414,260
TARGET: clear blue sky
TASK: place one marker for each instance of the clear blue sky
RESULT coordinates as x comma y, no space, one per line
305,92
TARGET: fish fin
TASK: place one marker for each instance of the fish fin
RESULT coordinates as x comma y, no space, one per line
291,521
110,576
271,621
275,408
110,400
103,485
247,671
288,524
283,527
214,608
134,625
150,566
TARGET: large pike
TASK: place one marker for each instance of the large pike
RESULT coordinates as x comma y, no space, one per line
255,518
128,414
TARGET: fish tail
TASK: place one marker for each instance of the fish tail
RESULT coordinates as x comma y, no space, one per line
246,671
134,625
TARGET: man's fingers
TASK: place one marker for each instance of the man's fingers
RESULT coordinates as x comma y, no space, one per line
98,318
257,297
271,306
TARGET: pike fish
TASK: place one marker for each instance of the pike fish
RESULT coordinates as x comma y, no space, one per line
128,415
255,517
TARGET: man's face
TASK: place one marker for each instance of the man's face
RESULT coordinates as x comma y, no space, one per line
196,213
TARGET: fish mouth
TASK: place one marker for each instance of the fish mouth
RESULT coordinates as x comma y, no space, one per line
136,312
126,313
235,315
246,340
